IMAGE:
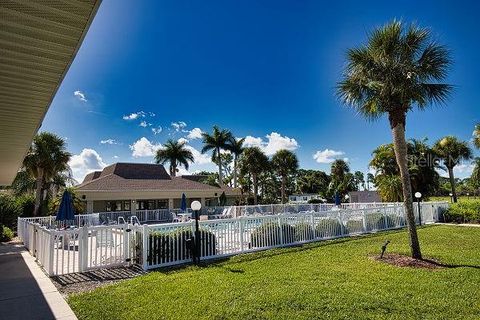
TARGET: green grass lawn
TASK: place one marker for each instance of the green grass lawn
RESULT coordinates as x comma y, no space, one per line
333,279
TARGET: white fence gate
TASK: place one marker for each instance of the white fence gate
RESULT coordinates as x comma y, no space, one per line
77,250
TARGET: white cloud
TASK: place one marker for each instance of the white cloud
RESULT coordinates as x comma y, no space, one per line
275,142
157,130
328,156
195,133
144,148
135,115
87,161
115,157
198,156
108,141
145,124
80,95
179,126
183,140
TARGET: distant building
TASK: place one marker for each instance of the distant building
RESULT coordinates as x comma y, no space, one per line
142,186
303,198
364,196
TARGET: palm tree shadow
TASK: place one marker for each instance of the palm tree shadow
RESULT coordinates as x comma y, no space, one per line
451,265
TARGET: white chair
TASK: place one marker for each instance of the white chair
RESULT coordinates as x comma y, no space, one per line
175,218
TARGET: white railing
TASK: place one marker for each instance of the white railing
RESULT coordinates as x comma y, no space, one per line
77,250
69,250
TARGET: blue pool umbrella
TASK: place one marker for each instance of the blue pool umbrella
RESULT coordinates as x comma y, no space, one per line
337,199
66,211
183,204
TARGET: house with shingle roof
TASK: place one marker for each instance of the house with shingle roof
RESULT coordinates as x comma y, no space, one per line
144,186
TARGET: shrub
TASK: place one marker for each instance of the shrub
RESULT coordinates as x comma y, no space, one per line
268,234
327,228
315,201
464,211
9,211
6,234
173,246
304,232
26,203
354,226
377,221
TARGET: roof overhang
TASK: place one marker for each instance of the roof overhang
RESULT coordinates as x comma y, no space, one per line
38,43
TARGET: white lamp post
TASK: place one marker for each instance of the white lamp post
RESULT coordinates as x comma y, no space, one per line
451,197
418,195
196,206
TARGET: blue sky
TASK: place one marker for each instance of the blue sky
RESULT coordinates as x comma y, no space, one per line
263,69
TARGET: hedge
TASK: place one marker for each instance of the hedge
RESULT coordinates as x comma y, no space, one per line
464,211
172,246
268,234
327,228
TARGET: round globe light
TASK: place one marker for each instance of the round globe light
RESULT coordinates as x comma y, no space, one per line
418,195
347,196
196,205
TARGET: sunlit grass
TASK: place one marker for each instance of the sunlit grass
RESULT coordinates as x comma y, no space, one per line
326,280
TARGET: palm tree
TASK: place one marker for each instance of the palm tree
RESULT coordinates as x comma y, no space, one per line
236,147
176,154
46,158
217,141
359,179
253,162
370,180
476,136
452,151
475,177
397,69
284,163
390,188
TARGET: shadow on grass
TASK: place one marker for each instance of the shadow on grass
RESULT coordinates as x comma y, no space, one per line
449,265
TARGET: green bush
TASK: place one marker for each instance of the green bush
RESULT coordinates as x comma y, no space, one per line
9,211
268,234
172,246
304,232
354,226
6,234
327,228
464,211
377,221
26,203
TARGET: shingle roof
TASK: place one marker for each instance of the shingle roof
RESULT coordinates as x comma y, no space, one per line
138,177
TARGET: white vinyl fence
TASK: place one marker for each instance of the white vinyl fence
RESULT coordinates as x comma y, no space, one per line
63,251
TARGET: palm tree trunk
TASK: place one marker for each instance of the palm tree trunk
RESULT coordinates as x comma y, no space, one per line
173,170
235,171
452,184
283,189
38,192
397,123
220,174
255,189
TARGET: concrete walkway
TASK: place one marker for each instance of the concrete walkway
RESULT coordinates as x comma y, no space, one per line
26,292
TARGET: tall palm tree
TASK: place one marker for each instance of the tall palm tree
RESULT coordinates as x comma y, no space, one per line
476,136
253,162
176,154
217,141
46,158
452,151
400,67
236,147
284,163
475,177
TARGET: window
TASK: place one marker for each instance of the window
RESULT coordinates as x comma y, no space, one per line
162,204
108,206
118,205
126,205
